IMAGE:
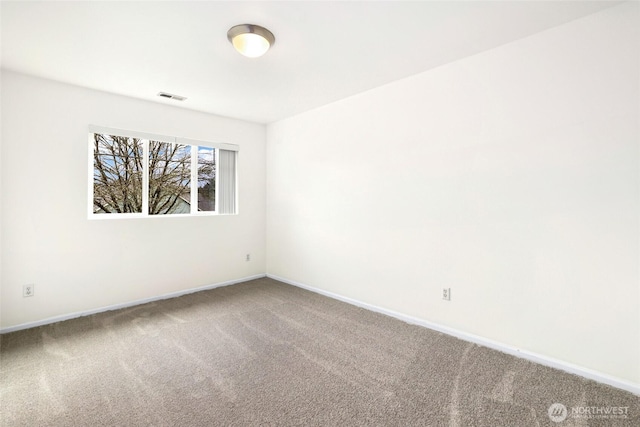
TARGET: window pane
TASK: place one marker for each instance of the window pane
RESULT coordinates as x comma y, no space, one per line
206,179
169,178
117,174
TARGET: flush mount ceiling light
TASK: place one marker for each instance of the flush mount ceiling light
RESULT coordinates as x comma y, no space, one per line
251,40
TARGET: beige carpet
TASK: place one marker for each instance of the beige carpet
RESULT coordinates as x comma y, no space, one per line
266,353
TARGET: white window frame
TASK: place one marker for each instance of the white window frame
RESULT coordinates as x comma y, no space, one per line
193,143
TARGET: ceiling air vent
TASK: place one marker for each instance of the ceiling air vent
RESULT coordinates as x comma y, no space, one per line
170,96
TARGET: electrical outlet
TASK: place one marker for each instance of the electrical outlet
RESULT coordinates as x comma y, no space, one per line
446,294
248,257
28,290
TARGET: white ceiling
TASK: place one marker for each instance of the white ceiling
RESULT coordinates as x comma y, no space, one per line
324,50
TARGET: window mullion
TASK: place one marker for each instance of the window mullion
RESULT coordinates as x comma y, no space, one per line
194,179
91,173
145,177
216,154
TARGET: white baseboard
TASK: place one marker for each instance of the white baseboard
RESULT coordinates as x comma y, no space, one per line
126,304
504,348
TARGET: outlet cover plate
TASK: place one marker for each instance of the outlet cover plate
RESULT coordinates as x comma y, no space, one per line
28,290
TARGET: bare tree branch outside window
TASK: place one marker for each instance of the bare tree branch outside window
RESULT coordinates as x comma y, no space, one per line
117,174
169,177
206,179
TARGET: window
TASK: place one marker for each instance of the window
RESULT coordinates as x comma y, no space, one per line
133,174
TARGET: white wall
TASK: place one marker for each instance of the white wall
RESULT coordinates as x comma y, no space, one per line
79,264
1,192
510,176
